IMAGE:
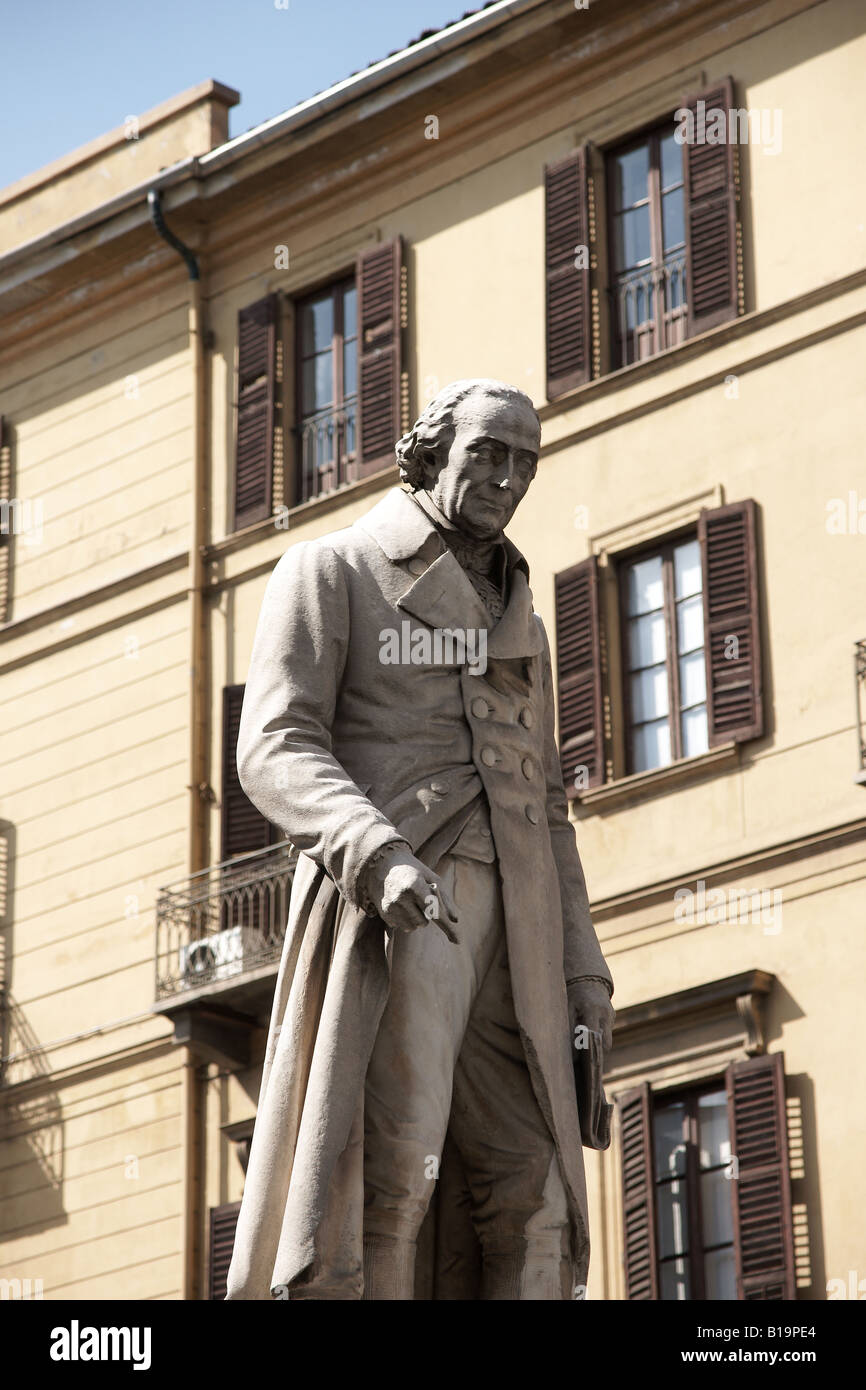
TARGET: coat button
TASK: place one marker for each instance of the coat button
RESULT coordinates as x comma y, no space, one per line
417,566
526,717
527,769
489,756
440,788
531,813
488,834
480,708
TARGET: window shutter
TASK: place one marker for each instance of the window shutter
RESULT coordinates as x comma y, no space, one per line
568,303
380,354
638,1194
729,560
763,1225
223,1223
5,496
244,828
713,259
578,664
257,377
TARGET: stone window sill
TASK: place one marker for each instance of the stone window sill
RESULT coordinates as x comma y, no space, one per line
640,785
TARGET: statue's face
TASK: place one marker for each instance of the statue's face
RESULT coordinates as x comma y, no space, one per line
490,464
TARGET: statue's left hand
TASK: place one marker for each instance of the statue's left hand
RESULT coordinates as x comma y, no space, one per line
589,1004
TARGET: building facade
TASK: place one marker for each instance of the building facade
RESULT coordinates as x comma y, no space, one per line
649,218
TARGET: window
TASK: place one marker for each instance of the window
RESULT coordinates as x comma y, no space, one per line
327,390
706,1187
244,828
647,245
347,393
642,246
694,1211
685,622
663,657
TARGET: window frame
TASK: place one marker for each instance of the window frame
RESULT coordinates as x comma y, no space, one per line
342,463
690,1095
650,133
664,546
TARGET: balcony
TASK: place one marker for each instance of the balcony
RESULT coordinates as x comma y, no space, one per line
650,310
219,936
328,451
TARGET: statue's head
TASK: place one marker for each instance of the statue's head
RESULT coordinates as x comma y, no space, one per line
474,449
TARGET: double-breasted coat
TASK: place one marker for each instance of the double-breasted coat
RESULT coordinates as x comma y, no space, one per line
345,753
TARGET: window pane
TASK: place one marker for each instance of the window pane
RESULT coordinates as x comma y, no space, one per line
720,1275
350,368
673,220
671,161
645,585
317,324
713,1138
350,312
630,177
649,694
693,680
652,746
690,625
646,640
670,1148
318,382
672,1211
687,569
693,725
716,1215
632,237
675,1281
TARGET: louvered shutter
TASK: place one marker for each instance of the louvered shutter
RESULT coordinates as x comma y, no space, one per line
223,1223
243,827
380,355
568,305
732,637
578,665
713,260
256,405
638,1194
763,1225
5,496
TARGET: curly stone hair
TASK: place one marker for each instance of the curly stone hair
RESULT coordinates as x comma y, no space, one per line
434,429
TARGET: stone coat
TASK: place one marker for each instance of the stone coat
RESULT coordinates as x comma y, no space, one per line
346,754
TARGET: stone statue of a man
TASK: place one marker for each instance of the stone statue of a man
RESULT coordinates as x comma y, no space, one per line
417,1132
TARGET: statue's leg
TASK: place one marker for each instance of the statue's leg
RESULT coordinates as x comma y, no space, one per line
408,1091
519,1205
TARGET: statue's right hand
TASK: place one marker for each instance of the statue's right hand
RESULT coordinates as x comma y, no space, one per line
407,895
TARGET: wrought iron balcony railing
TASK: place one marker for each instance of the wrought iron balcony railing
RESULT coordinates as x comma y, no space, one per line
328,442
221,924
651,307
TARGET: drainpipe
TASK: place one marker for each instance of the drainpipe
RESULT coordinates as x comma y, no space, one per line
198,752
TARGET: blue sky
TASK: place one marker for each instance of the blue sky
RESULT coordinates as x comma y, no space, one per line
73,69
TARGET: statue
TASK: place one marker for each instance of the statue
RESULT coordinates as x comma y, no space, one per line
418,1133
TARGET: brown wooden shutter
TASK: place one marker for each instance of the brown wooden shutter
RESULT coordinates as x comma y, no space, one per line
257,377
578,666
713,262
763,1225
735,708
244,828
5,496
638,1194
568,305
223,1223
380,355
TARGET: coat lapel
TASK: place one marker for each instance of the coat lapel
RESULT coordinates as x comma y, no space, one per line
443,596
